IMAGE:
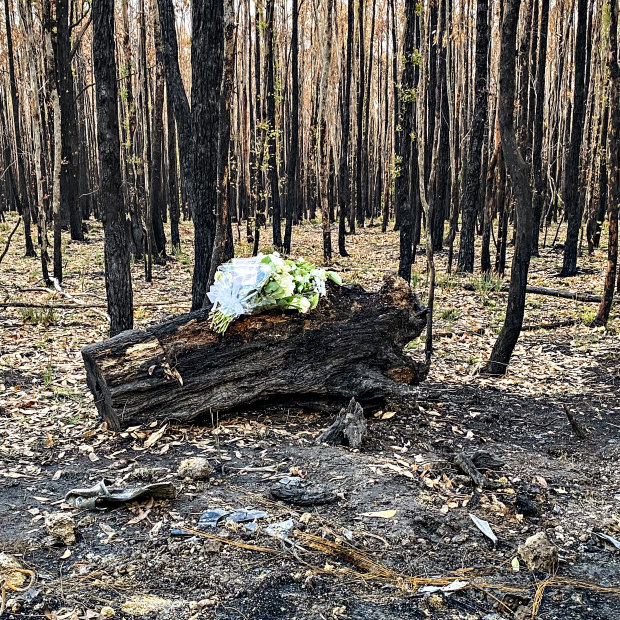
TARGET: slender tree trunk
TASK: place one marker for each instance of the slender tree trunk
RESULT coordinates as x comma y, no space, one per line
173,177
407,173
156,193
613,164
179,107
519,177
344,194
23,204
149,241
272,143
359,201
208,47
223,243
472,181
321,136
538,129
292,176
570,196
37,128
116,250
69,184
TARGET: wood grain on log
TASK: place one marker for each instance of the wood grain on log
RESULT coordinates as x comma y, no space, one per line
350,346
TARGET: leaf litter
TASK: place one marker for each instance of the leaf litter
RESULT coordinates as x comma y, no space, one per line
51,441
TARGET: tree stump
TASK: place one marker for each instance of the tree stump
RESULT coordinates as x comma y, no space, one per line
350,346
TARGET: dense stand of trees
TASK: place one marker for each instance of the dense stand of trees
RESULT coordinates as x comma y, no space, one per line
494,119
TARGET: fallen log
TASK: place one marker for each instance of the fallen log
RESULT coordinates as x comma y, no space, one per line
351,345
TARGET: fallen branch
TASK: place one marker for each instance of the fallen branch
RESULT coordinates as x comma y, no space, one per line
466,465
550,292
578,429
8,241
85,306
556,325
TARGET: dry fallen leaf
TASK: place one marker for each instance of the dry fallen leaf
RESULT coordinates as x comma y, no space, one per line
383,514
156,436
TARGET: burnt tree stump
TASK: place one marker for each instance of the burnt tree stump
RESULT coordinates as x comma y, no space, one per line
351,345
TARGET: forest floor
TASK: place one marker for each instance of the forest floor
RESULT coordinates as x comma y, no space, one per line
51,441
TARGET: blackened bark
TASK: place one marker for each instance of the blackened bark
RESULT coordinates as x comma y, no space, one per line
471,184
570,194
23,204
359,200
116,250
292,175
270,96
613,164
69,183
156,194
173,178
351,346
223,247
518,172
178,97
208,53
538,128
324,169
407,175
344,194
369,204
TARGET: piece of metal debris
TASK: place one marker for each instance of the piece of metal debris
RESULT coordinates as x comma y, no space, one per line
99,497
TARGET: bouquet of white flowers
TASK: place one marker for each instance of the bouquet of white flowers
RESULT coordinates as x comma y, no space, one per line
252,285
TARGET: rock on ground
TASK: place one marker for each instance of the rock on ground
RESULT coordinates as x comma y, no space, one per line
196,468
61,527
8,574
539,554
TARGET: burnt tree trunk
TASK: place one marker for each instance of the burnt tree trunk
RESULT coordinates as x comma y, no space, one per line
350,346
602,315
23,204
518,172
471,184
292,175
571,173
69,187
116,249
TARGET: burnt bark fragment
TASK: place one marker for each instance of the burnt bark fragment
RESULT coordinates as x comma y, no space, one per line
348,428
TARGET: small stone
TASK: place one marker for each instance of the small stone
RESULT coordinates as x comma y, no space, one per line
8,573
195,468
107,612
60,526
435,601
539,554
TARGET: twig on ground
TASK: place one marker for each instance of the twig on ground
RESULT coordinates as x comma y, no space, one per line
8,241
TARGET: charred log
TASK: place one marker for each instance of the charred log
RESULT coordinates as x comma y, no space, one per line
351,346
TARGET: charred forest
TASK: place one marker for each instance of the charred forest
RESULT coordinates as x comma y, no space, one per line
452,166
